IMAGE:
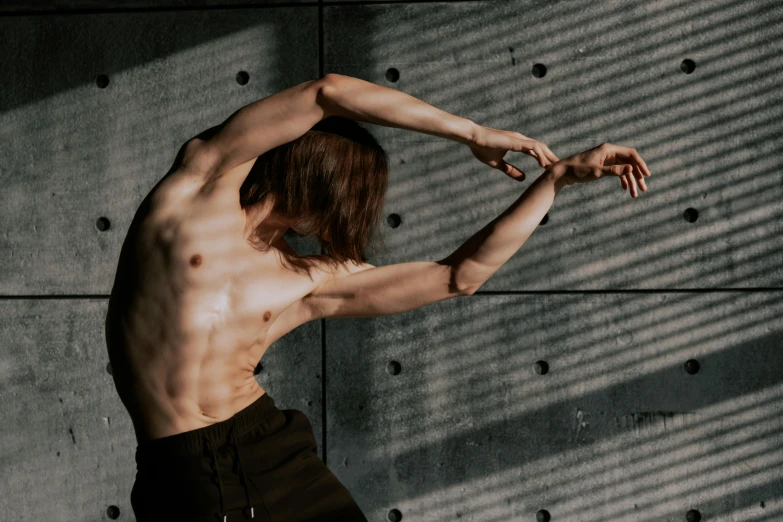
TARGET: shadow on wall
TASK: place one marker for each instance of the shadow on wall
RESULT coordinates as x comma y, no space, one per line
464,424
438,413
709,136
85,142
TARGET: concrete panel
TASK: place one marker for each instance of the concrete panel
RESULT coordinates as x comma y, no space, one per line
11,6
71,151
616,429
67,444
711,137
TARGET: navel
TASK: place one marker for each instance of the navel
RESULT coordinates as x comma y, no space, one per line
195,261
267,315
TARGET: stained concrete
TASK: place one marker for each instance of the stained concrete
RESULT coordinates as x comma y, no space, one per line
711,138
81,6
616,429
67,445
73,152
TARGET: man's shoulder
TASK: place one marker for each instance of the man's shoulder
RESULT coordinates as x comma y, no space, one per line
187,183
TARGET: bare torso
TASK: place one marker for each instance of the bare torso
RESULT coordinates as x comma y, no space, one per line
191,310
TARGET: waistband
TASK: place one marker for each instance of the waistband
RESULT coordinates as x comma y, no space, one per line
260,414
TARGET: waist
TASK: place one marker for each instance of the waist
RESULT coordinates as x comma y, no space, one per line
261,413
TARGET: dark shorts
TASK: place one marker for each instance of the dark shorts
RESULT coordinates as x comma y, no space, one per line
199,475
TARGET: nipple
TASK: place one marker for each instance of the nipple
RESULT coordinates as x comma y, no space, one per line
267,315
195,261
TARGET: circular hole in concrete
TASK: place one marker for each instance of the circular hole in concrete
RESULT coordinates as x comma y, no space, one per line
394,368
394,220
688,66
690,215
392,74
541,367
539,70
243,78
103,224
692,366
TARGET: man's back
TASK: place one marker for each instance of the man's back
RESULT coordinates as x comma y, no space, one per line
191,308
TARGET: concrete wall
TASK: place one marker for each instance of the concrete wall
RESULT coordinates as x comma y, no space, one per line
560,389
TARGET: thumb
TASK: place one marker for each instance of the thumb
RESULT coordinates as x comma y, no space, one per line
510,170
617,170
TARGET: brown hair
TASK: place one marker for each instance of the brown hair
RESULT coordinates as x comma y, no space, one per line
330,182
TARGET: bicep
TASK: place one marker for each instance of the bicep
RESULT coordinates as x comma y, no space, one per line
378,291
262,125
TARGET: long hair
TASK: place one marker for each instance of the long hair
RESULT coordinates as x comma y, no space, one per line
331,183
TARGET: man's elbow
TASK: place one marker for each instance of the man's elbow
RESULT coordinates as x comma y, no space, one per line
327,88
457,284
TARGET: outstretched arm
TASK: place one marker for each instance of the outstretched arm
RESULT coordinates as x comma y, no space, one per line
287,115
375,291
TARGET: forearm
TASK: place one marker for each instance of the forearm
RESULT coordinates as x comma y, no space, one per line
364,101
476,260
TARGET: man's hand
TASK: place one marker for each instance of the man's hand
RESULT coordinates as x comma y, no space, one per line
490,145
604,160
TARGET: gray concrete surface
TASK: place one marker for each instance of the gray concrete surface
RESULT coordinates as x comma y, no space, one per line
624,292
615,430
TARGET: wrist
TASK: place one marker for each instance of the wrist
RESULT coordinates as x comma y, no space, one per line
465,131
557,181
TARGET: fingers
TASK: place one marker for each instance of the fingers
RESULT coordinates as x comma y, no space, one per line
627,179
545,156
511,171
551,155
629,153
640,162
631,180
639,179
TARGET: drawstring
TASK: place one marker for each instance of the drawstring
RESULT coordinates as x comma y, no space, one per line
220,482
242,470
244,477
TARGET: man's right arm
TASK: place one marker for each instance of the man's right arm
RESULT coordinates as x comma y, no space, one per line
482,255
478,258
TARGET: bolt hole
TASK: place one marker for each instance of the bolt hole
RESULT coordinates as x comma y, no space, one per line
394,515
103,224
243,78
102,81
394,368
688,66
539,70
693,516
394,220
541,367
392,74
692,366
113,512
690,215
543,516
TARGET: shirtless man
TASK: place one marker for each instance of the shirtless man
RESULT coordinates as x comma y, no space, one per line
205,285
